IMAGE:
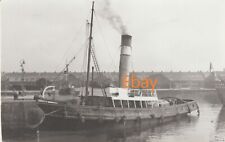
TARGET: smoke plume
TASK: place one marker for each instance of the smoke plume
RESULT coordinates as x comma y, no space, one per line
114,19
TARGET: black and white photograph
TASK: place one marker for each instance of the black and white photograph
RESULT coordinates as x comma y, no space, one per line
112,70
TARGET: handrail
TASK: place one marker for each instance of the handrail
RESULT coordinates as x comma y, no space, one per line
46,88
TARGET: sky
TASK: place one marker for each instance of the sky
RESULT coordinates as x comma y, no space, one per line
174,35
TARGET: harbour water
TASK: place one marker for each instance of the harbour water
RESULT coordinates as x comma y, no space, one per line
208,127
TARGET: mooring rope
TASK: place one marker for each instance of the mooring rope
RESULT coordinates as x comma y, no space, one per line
52,112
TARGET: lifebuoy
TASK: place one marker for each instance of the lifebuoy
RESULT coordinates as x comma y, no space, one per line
33,118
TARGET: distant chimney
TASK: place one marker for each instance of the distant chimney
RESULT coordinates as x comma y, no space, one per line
125,57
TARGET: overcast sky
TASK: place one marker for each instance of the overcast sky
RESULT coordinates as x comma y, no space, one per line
178,35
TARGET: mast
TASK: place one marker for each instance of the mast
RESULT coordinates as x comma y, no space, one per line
89,50
22,62
66,71
92,79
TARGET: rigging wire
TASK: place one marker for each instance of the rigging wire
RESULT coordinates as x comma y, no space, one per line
117,52
75,56
99,73
106,45
70,47
84,65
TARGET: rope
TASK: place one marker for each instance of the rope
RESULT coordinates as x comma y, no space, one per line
76,55
52,112
97,69
70,47
84,65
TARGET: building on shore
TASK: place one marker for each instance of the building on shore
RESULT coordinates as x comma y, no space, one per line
166,80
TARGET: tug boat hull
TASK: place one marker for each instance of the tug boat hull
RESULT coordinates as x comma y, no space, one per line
61,117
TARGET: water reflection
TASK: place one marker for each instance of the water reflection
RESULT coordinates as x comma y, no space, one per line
221,120
137,134
220,127
154,133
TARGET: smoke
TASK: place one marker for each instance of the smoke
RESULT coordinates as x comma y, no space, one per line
114,19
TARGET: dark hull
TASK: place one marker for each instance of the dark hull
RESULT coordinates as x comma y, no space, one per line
72,124
20,115
73,118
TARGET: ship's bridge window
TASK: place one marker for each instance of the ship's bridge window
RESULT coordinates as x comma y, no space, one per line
131,104
115,94
117,103
125,104
138,104
134,92
146,93
143,104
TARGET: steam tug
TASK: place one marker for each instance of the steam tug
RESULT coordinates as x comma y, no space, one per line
117,106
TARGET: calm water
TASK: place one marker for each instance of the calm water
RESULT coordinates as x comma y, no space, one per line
208,127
